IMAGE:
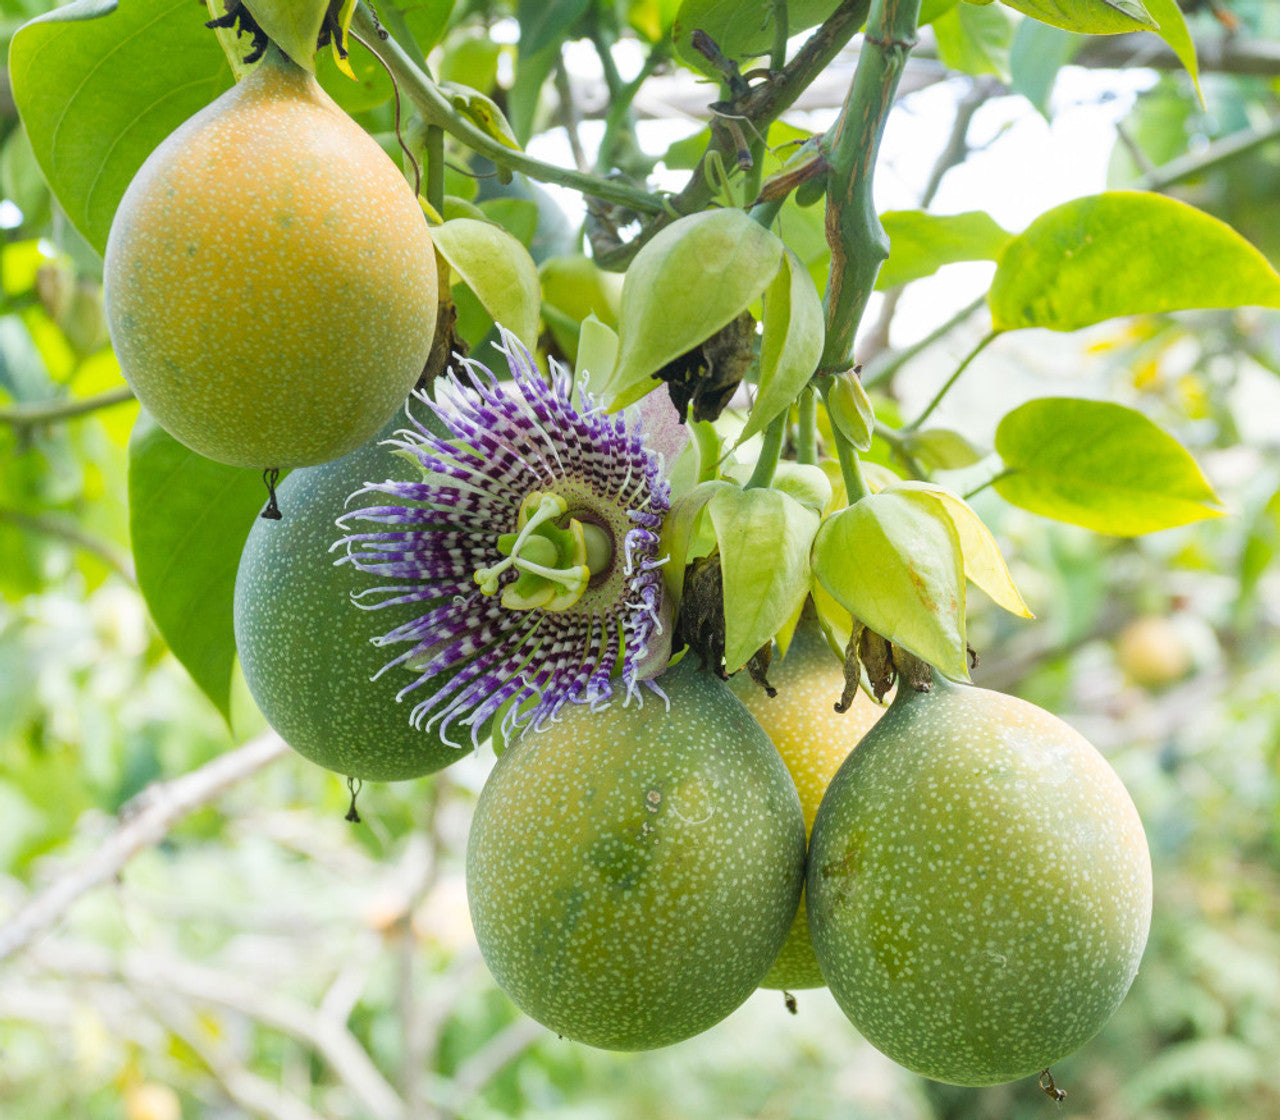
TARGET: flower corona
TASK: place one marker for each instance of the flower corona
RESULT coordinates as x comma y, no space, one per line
532,543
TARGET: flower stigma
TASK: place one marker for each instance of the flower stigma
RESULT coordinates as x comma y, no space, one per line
548,557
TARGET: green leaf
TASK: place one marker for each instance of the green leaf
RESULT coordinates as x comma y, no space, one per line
920,243
975,40
524,97
652,18
188,519
792,344
372,86
471,60
742,29
1039,52
22,181
547,23
1174,31
806,483
294,26
1091,17
693,278
679,530
1124,253
97,93
427,21
482,111
574,288
984,566
759,597
498,269
894,561
518,216
1100,465
932,9
942,449
597,352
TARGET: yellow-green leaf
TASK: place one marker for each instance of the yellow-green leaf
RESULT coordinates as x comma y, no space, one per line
742,29
921,243
1092,17
894,560
690,280
497,269
1174,31
597,351
679,528
764,538
1125,253
1100,465
482,111
943,449
984,566
792,344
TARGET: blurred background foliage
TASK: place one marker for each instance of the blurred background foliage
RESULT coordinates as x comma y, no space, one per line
267,958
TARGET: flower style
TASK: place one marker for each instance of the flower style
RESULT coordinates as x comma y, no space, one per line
531,543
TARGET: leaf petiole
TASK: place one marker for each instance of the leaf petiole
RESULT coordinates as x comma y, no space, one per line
983,343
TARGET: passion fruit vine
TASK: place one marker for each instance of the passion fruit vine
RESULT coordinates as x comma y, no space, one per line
270,282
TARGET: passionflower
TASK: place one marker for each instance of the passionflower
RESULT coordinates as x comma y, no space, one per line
532,543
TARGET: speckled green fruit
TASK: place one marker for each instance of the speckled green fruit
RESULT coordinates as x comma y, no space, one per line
633,872
270,282
305,648
979,886
813,739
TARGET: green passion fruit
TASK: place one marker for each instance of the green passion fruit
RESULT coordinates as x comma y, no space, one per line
270,282
632,872
305,647
979,886
813,740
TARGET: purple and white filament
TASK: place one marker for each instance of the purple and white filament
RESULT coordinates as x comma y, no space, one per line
507,441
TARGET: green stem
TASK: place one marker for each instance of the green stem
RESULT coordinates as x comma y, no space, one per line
50,526
855,484
755,173
990,482
858,242
435,168
778,56
1214,155
770,453
986,341
881,372
704,435
900,448
48,412
436,109
807,436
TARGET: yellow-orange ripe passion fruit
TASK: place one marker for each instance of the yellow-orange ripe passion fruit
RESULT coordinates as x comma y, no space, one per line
813,739
270,280
979,886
